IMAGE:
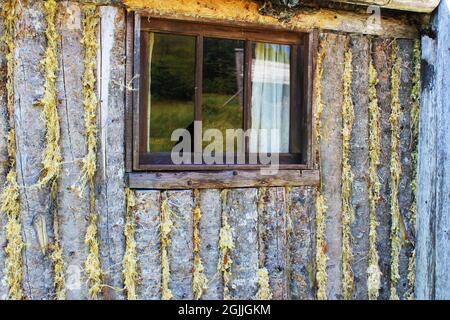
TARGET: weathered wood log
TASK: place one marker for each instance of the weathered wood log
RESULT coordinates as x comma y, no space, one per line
210,224
424,6
241,208
73,207
3,163
443,153
433,207
301,239
181,205
272,228
221,179
111,151
331,155
30,130
381,49
359,160
148,205
406,54
246,11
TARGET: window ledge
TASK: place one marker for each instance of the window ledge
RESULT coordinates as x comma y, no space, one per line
222,179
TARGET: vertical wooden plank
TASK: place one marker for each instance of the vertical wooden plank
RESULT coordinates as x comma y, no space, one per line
381,57
406,48
331,154
210,224
129,91
443,153
148,204
181,204
3,162
359,160
272,225
111,151
241,207
73,207
30,131
427,168
302,243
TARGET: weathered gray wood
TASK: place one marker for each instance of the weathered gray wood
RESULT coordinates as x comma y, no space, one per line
359,160
406,54
427,168
221,179
3,162
433,205
331,155
241,207
382,61
181,257
111,152
73,208
272,227
30,131
443,153
302,243
148,204
210,224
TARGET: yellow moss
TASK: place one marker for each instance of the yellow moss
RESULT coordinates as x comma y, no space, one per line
199,282
415,113
52,154
57,253
321,208
10,204
226,244
373,270
396,170
348,118
264,292
166,228
130,261
92,264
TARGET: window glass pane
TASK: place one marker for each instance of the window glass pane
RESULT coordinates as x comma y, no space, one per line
223,71
172,88
270,97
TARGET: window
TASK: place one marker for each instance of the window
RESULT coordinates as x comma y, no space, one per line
215,97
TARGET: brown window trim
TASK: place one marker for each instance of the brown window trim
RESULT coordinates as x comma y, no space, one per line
308,44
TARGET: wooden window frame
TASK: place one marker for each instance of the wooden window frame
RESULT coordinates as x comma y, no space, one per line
307,44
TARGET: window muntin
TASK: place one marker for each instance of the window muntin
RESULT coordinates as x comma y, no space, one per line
292,80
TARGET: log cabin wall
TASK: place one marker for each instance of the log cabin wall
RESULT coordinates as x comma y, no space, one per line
247,243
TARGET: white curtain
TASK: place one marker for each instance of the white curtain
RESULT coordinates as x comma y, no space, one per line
270,98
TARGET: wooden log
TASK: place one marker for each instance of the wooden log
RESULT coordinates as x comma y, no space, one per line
272,231
427,168
442,92
35,202
247,12
359,160
73,207
221,179
302,243
423,6
3,163
381,56
241,207
181,205
210,224
331,155
406,54
433,223
148,204
111,163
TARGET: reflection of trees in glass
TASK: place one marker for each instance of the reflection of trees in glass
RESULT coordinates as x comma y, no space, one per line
173,65
219,67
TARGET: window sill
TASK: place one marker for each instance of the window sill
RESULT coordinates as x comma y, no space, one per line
221,179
